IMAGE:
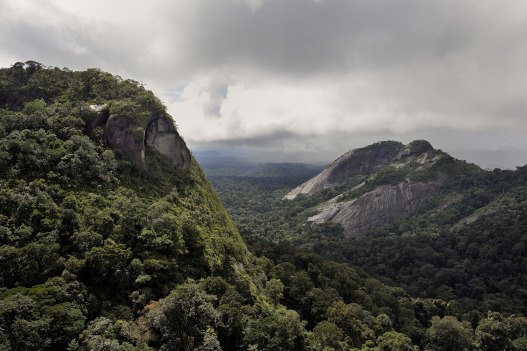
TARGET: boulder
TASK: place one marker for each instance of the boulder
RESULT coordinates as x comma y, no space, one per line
130,136
120,133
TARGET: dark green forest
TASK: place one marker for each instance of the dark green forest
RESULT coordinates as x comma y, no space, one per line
101,252
466,247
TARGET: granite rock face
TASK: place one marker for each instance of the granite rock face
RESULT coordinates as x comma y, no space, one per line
162,135
384,205
131,137
120,133
355,162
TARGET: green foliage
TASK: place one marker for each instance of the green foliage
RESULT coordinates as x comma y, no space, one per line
393,341
100,253
327,335
449,334
130,109
182,319
274,289
419,147
278,329
88,239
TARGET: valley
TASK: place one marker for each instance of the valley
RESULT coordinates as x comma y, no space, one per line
436,226
112,236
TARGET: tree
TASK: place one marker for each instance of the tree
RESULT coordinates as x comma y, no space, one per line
275,329
347,318
107,264
492,334
393,341
449,334
233,319
181,320
274,289
327,335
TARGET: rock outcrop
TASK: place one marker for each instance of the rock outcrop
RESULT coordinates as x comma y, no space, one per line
384,205
162,135
355,162
131,137
121,133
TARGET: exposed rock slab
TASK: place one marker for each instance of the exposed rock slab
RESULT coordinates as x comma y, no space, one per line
119,135
355,162
131,137
474,217
163,136
385,204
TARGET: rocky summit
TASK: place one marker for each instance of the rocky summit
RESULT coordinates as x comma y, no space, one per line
397,179
362,161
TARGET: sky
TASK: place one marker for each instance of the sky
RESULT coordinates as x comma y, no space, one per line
302,80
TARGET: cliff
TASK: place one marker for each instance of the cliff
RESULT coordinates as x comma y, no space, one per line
131,135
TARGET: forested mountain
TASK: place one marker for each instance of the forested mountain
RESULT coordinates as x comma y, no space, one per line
411,215
112,238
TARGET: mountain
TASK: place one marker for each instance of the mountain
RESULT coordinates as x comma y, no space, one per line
112,238
363,161
437,226
395,181
103,214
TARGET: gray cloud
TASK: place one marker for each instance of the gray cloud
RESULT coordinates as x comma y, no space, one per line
299,37
217,94
313,77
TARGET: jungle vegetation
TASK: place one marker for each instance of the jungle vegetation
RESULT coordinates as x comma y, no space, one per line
98,252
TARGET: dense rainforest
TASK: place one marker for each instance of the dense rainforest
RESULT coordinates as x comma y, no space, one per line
103,251
465,246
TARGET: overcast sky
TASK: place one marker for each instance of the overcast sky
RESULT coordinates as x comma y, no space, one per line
303,80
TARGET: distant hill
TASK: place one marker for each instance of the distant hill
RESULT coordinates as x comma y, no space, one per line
382,183
438,226
212,160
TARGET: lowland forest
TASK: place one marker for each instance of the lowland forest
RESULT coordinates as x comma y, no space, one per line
113,236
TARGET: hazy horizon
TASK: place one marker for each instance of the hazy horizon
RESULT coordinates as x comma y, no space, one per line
485,159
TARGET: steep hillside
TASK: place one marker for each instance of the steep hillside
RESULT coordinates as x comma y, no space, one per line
363,161
102,209
394,189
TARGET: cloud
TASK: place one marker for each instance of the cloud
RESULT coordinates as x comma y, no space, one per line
316,74
217,93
